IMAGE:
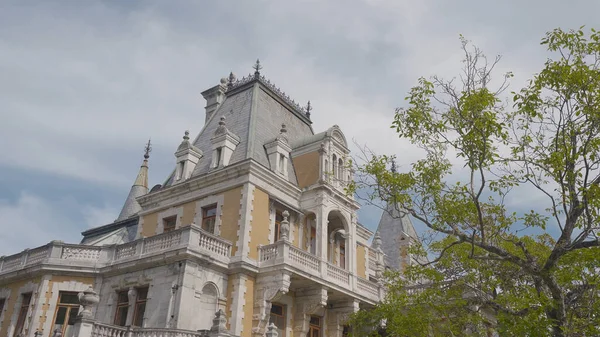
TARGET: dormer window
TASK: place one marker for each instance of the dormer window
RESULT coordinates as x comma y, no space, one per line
281,163
278,151
224,143
187,156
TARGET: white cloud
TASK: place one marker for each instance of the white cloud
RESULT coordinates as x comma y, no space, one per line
31,221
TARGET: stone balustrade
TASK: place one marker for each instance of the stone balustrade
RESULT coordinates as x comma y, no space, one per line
284,253
57,253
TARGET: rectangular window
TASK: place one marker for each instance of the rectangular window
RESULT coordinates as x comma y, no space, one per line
140,306
179,173
278,318
66,312
209,217
278,220
25,301
2,302
314,329
313,240
342,255
218,157
122,308
281,163
169,223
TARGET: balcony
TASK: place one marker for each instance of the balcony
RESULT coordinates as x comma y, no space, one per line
284,254
190,239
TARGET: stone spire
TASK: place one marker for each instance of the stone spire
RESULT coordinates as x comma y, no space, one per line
394,231
139,188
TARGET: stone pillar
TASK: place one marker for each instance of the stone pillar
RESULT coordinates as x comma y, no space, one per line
268,288
308,302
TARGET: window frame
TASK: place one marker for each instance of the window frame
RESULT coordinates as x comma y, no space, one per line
277,226
206,218
137,304
168,220
342,258
283,317
121,305
23,310
314,327
68,306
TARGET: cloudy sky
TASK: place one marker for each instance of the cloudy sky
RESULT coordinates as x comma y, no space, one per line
84,84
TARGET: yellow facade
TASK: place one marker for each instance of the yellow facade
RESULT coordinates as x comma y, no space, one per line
231,216
150,224
361,261
259,234
248,308
15,295
307,169
189,213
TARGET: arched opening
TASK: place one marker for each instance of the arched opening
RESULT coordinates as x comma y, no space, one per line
337,234
309,233
335,165
208,305
340,169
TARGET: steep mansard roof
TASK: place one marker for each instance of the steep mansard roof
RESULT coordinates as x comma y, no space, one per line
394,225
254,111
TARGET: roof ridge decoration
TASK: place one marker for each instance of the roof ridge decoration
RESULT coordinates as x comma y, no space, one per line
234,83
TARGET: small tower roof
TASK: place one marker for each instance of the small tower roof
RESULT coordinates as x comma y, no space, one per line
395,224
139,188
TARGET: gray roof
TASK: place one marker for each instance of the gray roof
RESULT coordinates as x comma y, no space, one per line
394,224
254,112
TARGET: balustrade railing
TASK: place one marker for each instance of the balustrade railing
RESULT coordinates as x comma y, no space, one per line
214,244
155,332
303,259
367,286
58,253
107,330
338,274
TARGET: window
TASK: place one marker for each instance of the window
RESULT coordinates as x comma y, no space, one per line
314,327
169,223
25,301
140,306
343,255
278,318
346,331
335,170
179,174
122,308
2,302
281,162
313,240
341,169
278,220
66,312
209,217
218,157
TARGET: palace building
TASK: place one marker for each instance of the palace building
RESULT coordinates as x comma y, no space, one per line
253,224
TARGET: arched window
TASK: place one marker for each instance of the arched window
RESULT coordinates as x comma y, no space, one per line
208,305
335,169
341,169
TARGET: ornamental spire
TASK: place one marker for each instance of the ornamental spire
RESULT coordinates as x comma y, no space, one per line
257,67
393,168
139,188
308,109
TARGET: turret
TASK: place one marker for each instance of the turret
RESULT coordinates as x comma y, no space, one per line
139,188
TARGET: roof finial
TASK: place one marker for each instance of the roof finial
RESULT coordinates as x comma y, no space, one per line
308,109
231,80
393,168
186,136
147,150
257,67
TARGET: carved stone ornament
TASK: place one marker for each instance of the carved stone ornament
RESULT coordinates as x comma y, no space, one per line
272,331
87,299
285,226
219,322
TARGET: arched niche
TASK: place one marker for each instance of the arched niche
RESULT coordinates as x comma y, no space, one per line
337,236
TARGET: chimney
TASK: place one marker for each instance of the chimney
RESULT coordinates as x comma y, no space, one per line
214,97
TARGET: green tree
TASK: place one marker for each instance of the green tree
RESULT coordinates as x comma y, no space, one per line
524,273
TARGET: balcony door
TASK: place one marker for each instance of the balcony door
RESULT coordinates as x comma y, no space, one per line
66,312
